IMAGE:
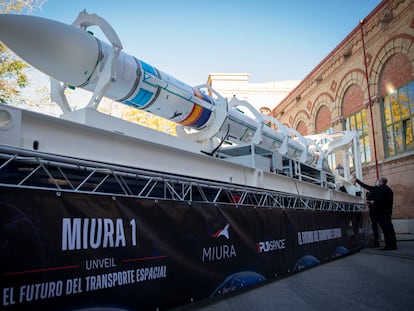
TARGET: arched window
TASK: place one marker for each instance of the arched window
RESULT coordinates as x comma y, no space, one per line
398,115
358,122
397,91
356,119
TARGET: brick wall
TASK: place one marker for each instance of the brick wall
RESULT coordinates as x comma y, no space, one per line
337,87
399,172
396,73
353,100
323,119
302,128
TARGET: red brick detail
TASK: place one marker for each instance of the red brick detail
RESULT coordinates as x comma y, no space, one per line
369,59
396,72
353,100
333,86
323,119
302,128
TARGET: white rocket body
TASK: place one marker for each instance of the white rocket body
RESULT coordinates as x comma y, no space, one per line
75,57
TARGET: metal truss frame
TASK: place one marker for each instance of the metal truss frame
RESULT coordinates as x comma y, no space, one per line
21,168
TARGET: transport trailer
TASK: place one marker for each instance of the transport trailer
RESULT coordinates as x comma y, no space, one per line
84,234
98,212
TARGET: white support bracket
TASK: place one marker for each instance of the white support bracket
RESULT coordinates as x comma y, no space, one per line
257,137
105,76
284,147
57,94
207,133
108,73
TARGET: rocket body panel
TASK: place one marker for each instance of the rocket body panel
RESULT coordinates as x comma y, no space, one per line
167,97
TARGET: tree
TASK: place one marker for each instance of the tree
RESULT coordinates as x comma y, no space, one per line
12,76
12,70
138,116
22,6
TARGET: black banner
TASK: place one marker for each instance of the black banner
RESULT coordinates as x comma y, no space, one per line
72,251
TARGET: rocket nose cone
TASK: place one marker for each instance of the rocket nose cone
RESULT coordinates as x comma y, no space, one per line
59,50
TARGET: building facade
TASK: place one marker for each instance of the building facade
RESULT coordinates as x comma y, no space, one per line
263,96
367,84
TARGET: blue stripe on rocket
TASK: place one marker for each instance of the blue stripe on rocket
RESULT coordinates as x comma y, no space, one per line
143,96
141,99
148,68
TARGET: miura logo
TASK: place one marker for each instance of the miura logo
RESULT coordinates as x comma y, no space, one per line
219,252
222,232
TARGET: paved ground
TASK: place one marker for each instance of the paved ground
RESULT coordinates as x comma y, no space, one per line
368,280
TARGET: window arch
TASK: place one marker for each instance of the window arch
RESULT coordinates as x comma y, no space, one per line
398,116
320,112
302,128
400,44
355,118
395,73
397,94
323,119
302,122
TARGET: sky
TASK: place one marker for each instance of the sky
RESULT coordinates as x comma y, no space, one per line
272,40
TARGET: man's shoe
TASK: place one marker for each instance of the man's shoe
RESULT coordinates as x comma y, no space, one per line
387,248
374,245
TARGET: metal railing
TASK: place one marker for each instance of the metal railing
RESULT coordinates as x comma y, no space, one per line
21,168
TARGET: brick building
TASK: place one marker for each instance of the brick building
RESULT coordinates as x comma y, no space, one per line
334,96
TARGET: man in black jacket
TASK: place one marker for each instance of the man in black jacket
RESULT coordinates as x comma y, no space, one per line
383,201
374,215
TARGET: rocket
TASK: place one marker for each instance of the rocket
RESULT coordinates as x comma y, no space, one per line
75,57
